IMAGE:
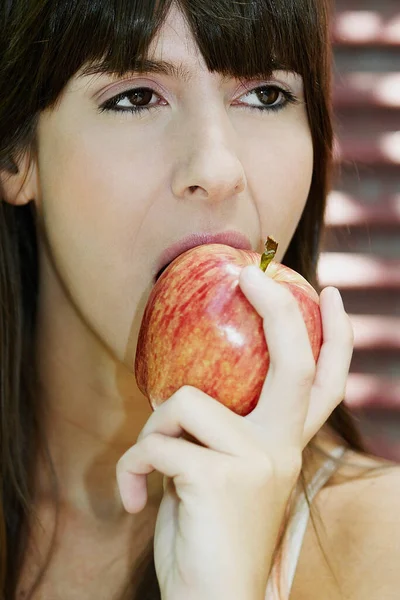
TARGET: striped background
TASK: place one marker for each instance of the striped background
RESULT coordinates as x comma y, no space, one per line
362,244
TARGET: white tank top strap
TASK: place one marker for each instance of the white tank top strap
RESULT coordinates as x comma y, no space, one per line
296,529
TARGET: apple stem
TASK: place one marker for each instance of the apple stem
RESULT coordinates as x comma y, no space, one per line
270,250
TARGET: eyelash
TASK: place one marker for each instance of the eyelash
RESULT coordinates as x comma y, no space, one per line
110,105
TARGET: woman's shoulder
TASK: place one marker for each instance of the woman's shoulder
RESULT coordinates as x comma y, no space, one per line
358,525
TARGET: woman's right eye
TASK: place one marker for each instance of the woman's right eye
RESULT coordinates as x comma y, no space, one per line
134,101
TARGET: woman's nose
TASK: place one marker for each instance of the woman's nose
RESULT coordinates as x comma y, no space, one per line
209,167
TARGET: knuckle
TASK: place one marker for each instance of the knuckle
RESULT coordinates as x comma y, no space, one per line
257,471
148,443
286,467
179,399
185,390
145,442
158,438
262,459
263,468
188,398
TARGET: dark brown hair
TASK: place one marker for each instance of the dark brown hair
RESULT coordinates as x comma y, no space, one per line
43,43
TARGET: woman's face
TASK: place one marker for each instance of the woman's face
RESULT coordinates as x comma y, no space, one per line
117,188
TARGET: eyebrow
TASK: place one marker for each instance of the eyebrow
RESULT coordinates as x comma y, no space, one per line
161,67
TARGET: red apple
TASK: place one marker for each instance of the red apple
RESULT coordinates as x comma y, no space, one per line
199,329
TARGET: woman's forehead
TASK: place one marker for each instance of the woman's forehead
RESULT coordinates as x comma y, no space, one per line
243,44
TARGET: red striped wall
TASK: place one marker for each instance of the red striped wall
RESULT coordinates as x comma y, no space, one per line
362,244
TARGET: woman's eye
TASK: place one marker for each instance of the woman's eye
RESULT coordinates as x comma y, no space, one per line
268,97
135,100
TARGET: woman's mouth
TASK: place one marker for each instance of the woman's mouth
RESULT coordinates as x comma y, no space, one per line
235,239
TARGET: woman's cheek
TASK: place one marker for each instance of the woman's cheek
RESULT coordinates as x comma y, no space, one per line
279,176
86,214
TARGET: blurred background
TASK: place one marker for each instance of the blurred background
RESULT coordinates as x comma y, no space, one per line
362,243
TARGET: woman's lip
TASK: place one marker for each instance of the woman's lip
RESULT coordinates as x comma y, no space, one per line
230,238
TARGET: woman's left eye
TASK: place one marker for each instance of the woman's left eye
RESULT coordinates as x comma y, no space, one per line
268,98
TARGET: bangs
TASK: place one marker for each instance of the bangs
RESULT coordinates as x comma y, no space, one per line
245,38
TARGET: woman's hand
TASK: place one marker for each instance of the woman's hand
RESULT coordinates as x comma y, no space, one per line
227,490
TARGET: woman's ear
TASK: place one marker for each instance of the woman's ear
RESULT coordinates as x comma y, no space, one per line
19,182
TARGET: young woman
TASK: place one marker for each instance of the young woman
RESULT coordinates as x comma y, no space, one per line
124,127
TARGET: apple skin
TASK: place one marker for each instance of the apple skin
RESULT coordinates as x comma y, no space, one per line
199,329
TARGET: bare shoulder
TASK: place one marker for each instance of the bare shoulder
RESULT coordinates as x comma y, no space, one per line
358,524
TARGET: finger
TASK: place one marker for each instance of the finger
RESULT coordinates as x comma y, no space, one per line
284,325
333,363
285,394
191,411
174,458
